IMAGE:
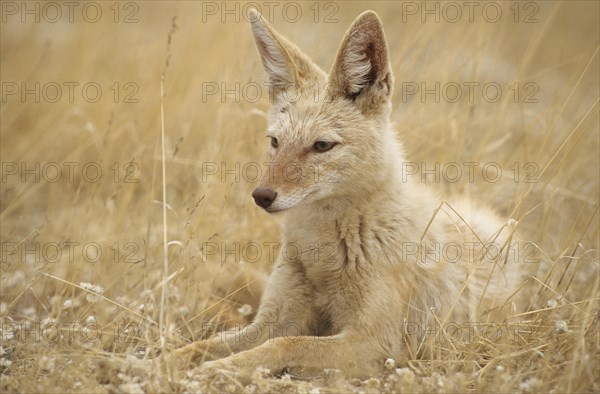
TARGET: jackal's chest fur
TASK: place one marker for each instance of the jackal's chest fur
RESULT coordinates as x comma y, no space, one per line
326,247
341,258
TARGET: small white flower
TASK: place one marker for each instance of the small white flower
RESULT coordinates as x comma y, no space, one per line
286,377
390,363
405,372
440,381
261,373
90,297
551,303
530,385
245,310
48,322
561,327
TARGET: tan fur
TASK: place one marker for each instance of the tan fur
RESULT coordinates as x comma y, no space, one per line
349,298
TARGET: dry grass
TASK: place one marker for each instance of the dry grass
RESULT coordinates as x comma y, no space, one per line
110,330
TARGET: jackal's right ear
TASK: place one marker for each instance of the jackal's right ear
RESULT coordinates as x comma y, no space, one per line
286,65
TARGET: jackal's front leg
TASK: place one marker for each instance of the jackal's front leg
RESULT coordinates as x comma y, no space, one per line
221,345
286,309
301,354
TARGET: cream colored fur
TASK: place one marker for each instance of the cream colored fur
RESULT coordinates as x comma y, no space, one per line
353,295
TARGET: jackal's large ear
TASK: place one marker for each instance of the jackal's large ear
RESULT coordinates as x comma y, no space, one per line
361,71
286,65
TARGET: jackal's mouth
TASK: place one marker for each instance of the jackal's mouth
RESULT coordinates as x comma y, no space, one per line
283,203
275,210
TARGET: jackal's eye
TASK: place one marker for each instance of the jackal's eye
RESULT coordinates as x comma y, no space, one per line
274,143
323,146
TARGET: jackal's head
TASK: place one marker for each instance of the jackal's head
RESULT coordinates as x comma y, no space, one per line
329,134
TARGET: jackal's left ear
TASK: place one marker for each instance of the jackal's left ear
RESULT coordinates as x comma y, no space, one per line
361,71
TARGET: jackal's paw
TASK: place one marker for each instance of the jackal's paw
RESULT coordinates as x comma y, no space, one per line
183,357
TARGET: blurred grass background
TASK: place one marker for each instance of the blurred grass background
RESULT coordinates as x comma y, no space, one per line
557,54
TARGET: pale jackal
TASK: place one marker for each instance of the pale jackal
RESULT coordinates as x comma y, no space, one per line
367,280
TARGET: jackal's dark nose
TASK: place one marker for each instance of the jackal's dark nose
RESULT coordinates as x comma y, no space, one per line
264,197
